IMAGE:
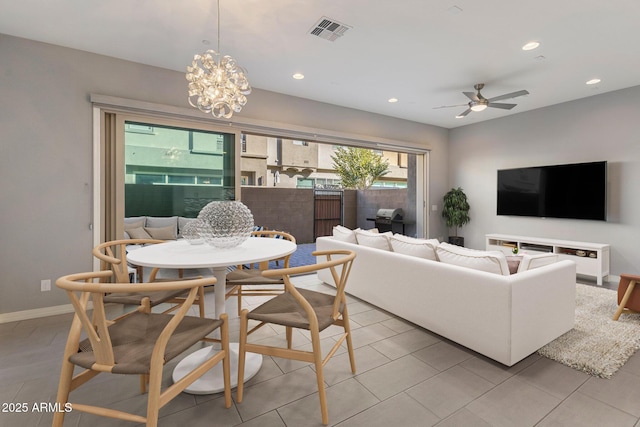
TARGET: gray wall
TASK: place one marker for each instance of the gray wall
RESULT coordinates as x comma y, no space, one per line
285,209
46,153
369,201
603,127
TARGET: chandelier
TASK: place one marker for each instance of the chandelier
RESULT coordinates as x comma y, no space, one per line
217,85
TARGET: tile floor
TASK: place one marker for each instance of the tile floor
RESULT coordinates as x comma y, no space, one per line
406,376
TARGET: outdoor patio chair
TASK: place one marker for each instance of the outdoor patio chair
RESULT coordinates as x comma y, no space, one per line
139,344
303,309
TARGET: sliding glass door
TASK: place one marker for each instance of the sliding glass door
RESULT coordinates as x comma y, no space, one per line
176,171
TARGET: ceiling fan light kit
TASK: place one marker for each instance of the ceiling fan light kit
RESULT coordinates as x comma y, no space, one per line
479,103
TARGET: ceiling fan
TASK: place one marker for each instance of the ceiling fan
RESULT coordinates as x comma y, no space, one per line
479,102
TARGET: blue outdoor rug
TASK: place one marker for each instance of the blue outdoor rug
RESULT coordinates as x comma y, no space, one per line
302,256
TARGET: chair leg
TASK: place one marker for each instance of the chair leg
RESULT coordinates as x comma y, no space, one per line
625,298
347,330
239,295
289,333
201,300
317,358
64,388
144,379
244,324
153,397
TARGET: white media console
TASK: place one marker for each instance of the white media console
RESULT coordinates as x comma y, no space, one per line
592,259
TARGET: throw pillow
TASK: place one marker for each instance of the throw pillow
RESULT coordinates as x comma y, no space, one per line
182,223
374,240
489,261
162,233
344,234
137,222
529,262
422,248
138,233
163,221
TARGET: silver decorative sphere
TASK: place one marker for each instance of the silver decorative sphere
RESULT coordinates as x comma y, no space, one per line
191,232
225,224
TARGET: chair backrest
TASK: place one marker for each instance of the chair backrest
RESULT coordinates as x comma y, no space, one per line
113,256
82,288
273,234
339,262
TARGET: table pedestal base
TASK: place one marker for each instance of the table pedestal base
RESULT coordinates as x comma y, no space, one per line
213,381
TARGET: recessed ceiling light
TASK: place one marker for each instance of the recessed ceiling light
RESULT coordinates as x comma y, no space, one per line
593,81
531,45
459,116
298,76
392,100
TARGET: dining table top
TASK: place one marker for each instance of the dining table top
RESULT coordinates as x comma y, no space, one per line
182,254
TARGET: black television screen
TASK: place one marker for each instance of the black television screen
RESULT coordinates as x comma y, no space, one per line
575,191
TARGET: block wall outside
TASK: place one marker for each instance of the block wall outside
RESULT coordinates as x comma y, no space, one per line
286,209
369,201
350,209
291,209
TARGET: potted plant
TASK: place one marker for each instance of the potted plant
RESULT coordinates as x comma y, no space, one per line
455,211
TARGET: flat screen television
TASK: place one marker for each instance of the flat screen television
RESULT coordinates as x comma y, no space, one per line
577,191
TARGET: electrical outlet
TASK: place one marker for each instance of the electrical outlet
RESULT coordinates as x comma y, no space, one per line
45,285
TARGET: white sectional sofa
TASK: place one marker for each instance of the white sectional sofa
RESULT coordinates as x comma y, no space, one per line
503,316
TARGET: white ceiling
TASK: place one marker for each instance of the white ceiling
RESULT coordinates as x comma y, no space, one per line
418,51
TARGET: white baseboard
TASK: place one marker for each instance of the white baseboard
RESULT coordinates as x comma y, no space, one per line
35,313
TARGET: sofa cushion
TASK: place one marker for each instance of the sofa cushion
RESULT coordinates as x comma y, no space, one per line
344,234
162,233
138,233
489,261
182,223
163,221
134,222
529,262
423,248
374,239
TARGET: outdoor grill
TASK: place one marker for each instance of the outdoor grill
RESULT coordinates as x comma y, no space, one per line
385,218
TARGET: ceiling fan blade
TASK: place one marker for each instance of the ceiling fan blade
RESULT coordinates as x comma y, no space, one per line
500,105
472,96
449,106
464,113
509,95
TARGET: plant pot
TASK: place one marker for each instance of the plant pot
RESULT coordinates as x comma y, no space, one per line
456,240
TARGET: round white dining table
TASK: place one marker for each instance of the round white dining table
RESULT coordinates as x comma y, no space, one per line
182,254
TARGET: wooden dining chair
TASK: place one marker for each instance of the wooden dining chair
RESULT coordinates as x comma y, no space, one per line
113,256
139,344
250,275
303,309
628,295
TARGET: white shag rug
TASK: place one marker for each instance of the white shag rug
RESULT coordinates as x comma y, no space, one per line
596,345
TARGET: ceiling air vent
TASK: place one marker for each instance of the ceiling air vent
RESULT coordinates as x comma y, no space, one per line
329,29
